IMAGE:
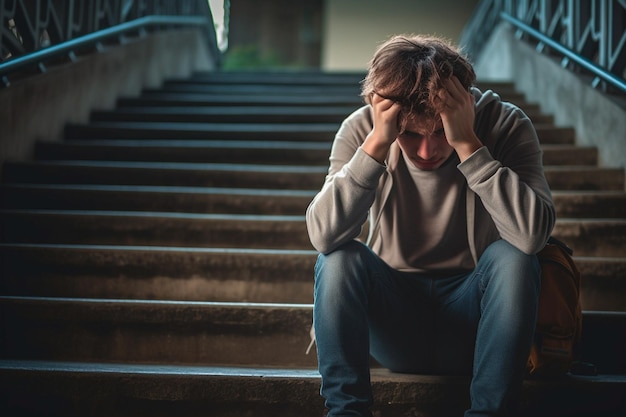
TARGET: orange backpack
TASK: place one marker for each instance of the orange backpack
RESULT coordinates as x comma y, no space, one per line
559,317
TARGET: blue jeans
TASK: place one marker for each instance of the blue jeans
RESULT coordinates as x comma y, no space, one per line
479,323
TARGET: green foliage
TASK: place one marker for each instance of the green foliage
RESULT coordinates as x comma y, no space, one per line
251,57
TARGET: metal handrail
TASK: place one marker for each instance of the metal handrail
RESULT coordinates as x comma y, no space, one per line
91,39
596,45
583,62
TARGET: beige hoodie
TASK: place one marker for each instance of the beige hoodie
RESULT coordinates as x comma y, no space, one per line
507,193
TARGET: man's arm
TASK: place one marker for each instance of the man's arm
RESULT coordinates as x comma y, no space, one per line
458,118
385,130
510,182
338,212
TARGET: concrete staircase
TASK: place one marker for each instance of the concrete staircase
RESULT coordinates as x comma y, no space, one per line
156,263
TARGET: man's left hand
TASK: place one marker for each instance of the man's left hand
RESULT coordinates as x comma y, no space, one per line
458,118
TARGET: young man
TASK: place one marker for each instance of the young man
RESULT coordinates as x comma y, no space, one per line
452,181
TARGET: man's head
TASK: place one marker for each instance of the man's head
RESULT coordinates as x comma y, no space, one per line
410,69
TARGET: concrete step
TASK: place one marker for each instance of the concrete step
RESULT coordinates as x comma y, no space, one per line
233,151
590,204
171,99
156,198
602,283
169,174
584,178
569,155
248,114
320,132
237,151
588,237
247,176
552,135
315,79
593,237
349,81
258,89
210,333
298,78
156,272
227,88
240,114
154,228
214,274
586,204
156,331
100,389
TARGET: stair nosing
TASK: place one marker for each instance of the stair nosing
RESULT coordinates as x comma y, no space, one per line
190,143
238,371
195,166
237,216
166,189
143,248
159,214
129,301
227,304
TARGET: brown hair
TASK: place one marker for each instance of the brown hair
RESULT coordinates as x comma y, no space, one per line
409,70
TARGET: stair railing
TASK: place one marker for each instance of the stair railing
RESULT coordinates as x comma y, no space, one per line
34,33
589,35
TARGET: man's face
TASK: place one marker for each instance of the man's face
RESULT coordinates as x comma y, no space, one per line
427,148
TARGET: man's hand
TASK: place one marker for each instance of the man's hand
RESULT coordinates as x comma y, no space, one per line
458,118
386,127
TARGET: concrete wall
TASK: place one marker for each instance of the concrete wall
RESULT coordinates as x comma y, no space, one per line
38,107
354,28
599,120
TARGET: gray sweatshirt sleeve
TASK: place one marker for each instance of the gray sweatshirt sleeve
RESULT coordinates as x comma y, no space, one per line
510,182
338,212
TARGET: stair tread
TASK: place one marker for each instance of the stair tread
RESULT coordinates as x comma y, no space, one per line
238,144
253,167
378,374
254,89
242,99
246,113
247,191
132,303
190,166
224,127
230,305
238,217
245,127
241,151
583,261
147,248
236,391
193,144
275,77
228,111
156,198
246,175
160,214
280,274
272,334
172,189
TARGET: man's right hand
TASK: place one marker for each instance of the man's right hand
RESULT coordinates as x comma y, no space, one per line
386,128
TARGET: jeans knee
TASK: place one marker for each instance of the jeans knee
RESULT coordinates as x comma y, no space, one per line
508,267
342,268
